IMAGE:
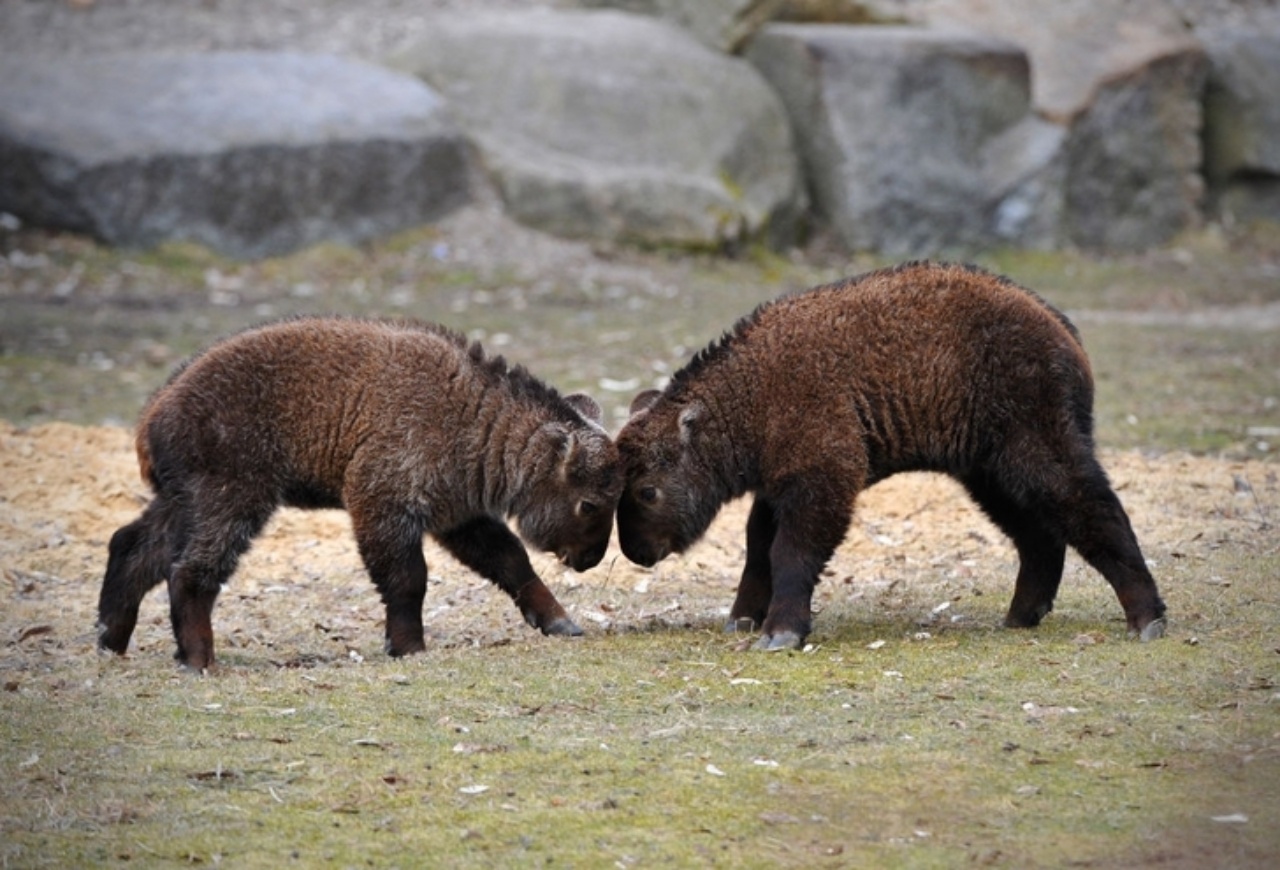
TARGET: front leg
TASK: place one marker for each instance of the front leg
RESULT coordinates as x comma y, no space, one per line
391,548
755,589
488,547
811,520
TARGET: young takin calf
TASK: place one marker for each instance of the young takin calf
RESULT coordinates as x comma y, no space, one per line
816,396
406,426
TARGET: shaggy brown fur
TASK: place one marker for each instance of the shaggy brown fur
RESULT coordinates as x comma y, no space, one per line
816,396
406,426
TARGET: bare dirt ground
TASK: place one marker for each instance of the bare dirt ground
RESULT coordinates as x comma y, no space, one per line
301,595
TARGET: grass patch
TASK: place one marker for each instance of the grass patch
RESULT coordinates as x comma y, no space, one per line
1186,388
662,747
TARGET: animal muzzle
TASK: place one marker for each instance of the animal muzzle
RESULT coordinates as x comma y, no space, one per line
643,552
582,560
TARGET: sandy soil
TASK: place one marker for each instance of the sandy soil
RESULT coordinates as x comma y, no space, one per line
917,548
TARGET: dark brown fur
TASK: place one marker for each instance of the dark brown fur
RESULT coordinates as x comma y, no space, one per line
816,396
406,426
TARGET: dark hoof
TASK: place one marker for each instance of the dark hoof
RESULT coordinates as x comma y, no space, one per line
403,650
743,624
197,669
780,641
1155,629
111,649
562,626
113,640
1029,619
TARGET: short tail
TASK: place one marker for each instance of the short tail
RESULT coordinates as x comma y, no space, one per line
142,446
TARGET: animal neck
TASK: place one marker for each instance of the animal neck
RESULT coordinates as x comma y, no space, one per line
529,457
507,456
726,449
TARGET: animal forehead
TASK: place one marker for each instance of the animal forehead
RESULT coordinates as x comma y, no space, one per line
596,451
643,456
653,426
632,440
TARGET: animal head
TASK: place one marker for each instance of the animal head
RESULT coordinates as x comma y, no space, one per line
569,510
671,494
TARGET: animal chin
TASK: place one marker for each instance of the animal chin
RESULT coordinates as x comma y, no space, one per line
646,557
585,561
579,560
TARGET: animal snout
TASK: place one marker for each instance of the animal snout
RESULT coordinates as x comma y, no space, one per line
584,559
643,552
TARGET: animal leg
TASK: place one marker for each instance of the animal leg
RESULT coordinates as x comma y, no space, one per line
489,548
193,590
139,558
391,548
810,525
1099,529
1041,552
222,529
755,589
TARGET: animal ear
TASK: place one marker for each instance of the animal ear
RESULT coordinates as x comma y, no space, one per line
587,407
690,419
643,401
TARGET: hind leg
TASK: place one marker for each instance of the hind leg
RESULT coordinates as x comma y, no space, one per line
755,589
488,547
222,528
139,558
1099,529
1041,552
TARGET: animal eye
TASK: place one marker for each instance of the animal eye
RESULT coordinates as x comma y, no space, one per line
587,508
647,494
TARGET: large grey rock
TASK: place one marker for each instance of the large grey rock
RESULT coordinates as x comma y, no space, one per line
722,24
251,154
1133,157
1073,44
1242,124
607,125
916,140
1126,80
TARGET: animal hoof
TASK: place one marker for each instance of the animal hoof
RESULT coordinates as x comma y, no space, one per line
106,647
562,626
1155,628
744,624
196,669
113,640
407,648
780,641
